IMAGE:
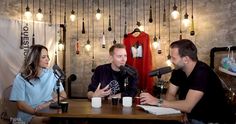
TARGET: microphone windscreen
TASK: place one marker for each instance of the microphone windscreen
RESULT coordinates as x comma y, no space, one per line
57,70
160,71
127,70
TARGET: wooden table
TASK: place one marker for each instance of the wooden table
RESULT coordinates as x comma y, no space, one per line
81,109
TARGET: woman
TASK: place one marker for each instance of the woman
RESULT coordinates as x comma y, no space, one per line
34,87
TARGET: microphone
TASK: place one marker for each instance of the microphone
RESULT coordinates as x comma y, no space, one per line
158,72
127,70
58,72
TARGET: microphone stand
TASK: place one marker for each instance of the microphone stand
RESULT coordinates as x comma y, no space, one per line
160,84
57,104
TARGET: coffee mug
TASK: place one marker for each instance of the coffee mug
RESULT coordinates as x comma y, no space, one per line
114,100
64,106
96,102
127,101
137,100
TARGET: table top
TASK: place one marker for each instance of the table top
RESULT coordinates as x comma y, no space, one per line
83,109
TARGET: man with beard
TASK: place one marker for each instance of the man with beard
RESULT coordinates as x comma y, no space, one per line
195,89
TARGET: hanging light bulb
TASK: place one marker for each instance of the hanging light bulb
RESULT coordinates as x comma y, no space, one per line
175,13
141,28
72,16
186,21
39,15
98,14
50,13
28,14
60,45
103,41
88,46
77,32
164,14
159,46
168,61
77,47
192,32
154,43
159,37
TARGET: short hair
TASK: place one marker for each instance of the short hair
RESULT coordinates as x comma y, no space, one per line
186,48
112,48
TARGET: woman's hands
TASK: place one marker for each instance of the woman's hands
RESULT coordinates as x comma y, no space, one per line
42,106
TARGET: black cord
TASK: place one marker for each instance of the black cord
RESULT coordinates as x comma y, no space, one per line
88,18
155,18
77,22
55,31
103,17
159,11
114,42
144,18
164,14
33,38
21,25
120,22
180,19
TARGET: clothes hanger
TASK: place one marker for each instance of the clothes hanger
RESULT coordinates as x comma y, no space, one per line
136,30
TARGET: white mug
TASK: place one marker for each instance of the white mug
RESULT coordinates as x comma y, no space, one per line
96,102
127,101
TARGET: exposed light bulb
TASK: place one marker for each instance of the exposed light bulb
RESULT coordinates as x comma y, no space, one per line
28,14
141,28
103,41
88,46
60,46
186,21
154,43
39,15
168,61
72,16
98,14
159,46
175,13
77,47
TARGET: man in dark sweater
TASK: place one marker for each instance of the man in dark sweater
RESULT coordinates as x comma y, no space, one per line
109,80
200,92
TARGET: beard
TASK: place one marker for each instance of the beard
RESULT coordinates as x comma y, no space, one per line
179,65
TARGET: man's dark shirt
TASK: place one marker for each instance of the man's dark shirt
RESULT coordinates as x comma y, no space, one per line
116,79
213,106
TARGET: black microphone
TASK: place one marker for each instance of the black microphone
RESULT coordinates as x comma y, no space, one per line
58,72
158,72
128,70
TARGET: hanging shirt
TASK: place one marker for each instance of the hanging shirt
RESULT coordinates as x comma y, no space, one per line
139,56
